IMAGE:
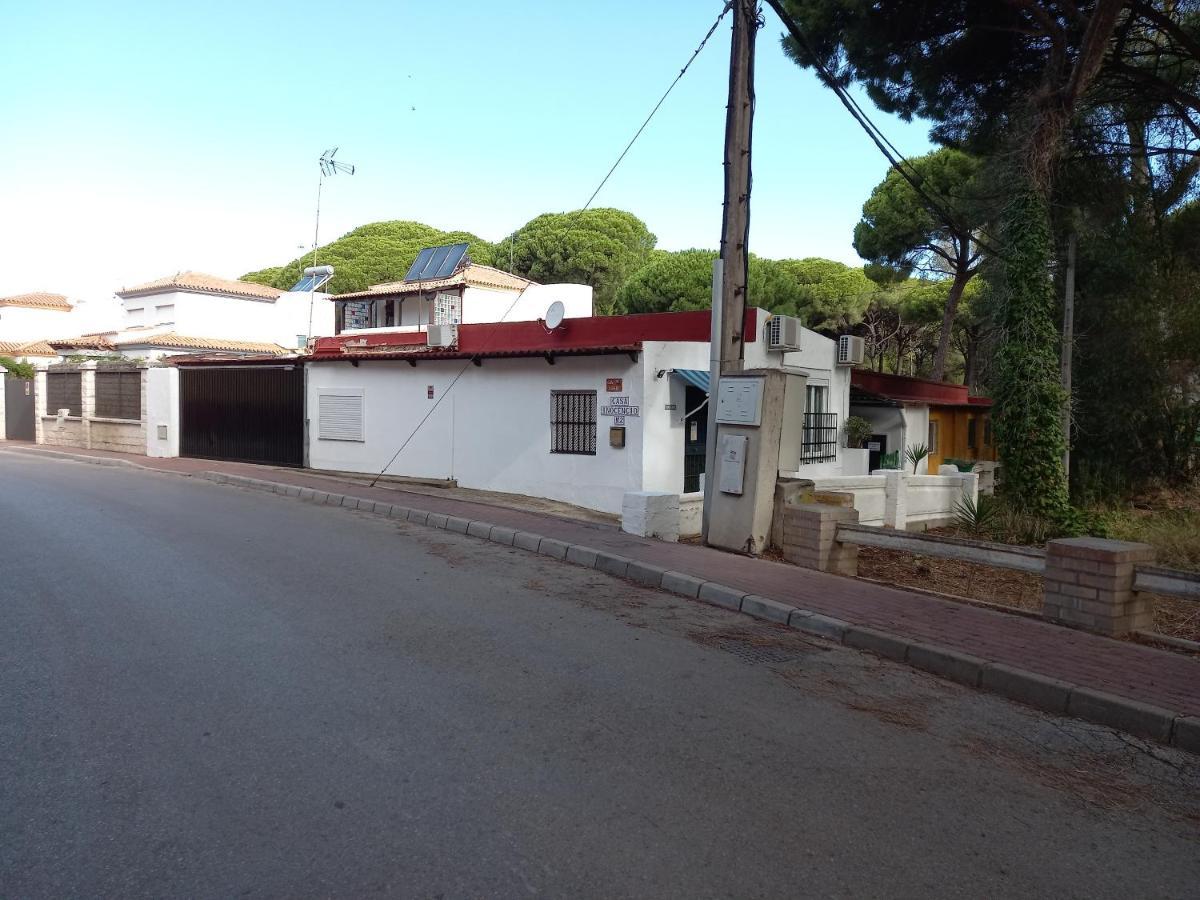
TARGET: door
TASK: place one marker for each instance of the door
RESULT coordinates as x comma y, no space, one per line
936,443
695,438
877,450
243,414
19,409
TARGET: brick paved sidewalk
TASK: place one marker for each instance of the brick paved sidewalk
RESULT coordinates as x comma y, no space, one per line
1143,674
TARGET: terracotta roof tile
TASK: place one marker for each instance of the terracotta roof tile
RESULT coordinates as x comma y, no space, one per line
32,348
170,340
199,282
472,276
38,300
83,342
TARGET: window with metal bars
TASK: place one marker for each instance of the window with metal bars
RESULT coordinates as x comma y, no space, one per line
64,390
119,395
573,422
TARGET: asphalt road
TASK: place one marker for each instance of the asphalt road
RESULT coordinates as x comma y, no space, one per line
208,692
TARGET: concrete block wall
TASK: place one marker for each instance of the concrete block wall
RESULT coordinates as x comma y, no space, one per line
1089,584
810,537
121,435
87,431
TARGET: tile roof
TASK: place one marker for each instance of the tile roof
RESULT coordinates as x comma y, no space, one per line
171,340
199,282
83,342
472,276
31,348
38,300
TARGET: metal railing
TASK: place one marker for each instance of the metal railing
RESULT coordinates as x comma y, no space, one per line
819,441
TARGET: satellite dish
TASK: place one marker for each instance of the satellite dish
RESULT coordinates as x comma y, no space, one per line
555,315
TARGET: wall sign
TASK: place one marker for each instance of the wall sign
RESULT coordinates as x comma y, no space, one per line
613,385
619,408
429,392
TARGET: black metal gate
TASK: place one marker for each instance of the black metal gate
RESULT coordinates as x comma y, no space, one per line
18,409
243,413
695,438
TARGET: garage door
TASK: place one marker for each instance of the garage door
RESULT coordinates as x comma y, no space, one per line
243,413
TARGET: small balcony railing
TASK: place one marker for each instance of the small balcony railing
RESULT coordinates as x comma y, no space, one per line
819,440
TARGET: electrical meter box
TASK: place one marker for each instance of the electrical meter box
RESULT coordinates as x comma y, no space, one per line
739,401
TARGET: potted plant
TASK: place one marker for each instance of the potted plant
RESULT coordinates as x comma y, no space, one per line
857,459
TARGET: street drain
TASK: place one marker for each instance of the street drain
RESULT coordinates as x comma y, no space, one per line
754,648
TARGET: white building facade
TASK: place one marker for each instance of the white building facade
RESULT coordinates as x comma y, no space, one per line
584,414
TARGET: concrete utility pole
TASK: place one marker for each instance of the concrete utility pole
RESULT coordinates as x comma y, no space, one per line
731,271
1068,346
735,223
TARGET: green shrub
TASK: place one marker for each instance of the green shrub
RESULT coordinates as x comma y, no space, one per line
19,369
858,431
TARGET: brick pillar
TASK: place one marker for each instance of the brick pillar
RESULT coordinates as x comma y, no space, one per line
895,503
39,406
3,427
1089,584
810,538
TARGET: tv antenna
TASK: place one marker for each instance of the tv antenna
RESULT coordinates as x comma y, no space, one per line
329,167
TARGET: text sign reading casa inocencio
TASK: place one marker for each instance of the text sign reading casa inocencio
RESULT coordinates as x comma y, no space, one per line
619,406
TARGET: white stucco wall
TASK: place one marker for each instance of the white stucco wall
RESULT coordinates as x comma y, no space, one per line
233,318
161,400
19,323
492,432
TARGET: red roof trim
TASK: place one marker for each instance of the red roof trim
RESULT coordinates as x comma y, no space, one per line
610,334
907,389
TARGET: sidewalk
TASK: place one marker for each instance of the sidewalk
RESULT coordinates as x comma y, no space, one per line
983,647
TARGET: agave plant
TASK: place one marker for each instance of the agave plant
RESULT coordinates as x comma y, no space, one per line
915,453
976,515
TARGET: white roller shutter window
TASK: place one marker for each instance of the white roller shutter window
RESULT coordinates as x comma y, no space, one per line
340,416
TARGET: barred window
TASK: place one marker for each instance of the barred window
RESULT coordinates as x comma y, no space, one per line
573,422
119,395
64,390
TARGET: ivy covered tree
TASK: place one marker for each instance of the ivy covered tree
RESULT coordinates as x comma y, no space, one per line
600,247
899,229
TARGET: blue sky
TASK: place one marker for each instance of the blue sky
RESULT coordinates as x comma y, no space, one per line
144,138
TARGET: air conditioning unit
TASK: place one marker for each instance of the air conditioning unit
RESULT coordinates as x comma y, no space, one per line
442,336
850,350
783,333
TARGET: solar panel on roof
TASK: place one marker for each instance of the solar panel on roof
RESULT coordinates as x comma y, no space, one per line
454,255
311,282
436,262
419,264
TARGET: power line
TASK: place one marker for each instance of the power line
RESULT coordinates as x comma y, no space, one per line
894,157
660,102
512,239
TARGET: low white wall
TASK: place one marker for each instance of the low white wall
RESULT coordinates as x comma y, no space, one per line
927,501
691,513
931,498
870,494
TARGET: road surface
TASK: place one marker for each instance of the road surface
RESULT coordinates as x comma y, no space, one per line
209,692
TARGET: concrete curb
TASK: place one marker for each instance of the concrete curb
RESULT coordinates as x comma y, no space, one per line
1020,685
76,457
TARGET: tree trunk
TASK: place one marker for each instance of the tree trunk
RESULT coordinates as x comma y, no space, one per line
961,277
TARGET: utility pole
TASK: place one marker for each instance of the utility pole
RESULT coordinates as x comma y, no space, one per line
1068,346
730,275
735,220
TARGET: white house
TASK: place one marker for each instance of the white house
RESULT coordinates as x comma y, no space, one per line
25,318
192,312
583,413
471,295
